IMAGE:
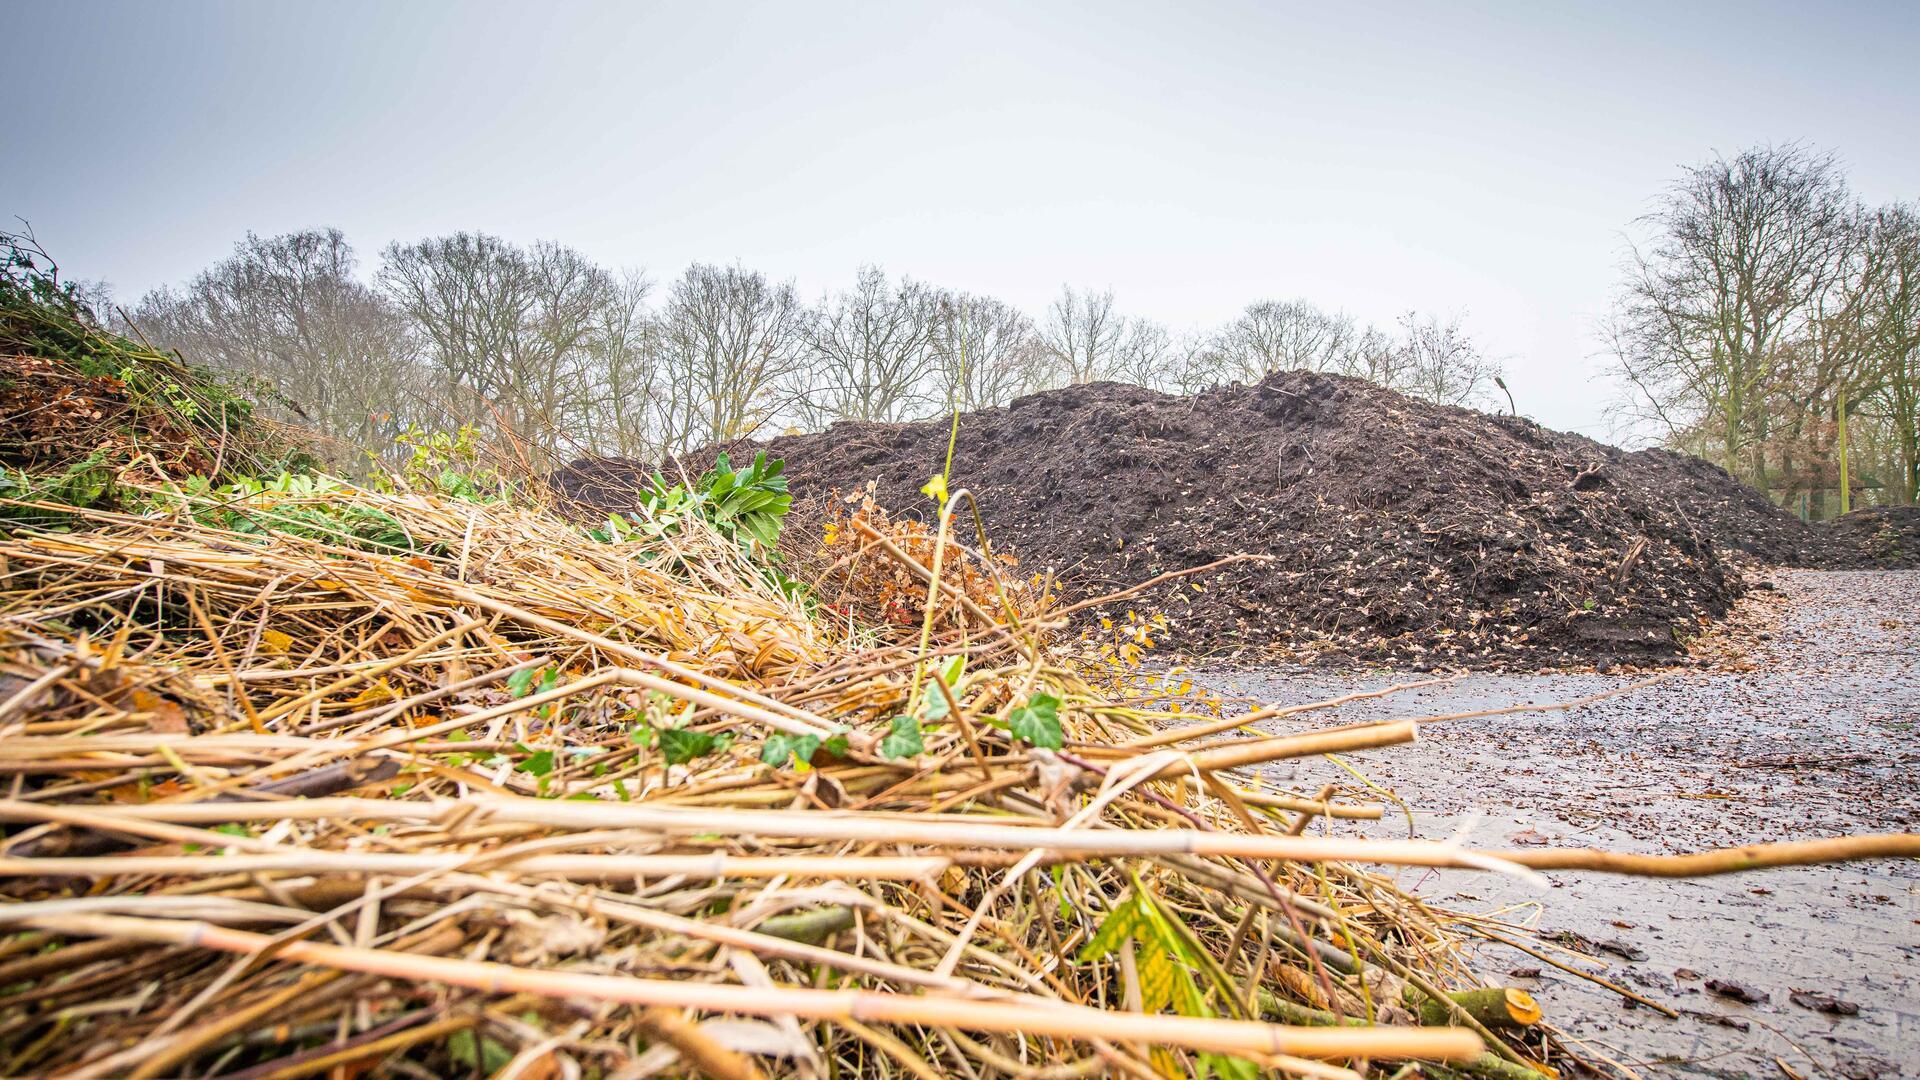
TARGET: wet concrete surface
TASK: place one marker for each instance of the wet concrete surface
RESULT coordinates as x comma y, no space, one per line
1811,734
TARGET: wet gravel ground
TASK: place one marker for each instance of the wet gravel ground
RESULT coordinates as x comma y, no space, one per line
1808,732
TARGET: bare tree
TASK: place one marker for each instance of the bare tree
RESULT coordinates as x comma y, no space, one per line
509,327
288,310
1438,362
1898,394
871,352
1272,336
1191,364
1867,344
986,352
731,347
1083,334
623,350
1741,248
1372,354
1143,355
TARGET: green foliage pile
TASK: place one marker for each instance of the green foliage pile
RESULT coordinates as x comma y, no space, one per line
81,404
745,506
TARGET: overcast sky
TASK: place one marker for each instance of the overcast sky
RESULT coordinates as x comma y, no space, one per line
1485,160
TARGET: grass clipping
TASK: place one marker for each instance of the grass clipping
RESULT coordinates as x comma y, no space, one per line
482,793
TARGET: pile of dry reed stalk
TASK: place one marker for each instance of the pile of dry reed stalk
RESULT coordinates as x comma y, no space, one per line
279,806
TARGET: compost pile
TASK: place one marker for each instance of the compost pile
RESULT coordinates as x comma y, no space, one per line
1746,525
1734,516
1396,530
1887,536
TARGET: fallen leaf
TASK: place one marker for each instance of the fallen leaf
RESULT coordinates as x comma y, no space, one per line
1740,992
1625,950
1823,1003
373,695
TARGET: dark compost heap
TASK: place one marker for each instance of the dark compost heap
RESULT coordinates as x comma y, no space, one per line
1398,530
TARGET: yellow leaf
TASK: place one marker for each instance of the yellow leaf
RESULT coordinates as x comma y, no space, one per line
274,641
378,692
1156,977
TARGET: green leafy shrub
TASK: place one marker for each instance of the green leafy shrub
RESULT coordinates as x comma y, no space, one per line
745,506
306,505
452,464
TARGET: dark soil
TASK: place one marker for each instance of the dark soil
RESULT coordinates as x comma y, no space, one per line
1744,523
1888,536
1398,530
1733,514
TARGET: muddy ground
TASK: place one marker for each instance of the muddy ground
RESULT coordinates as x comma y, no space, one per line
1816,737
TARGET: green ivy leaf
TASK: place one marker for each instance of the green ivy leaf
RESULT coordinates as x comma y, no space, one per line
478,1052
520,683
781,748
458,758
681,746
1230,1068
903,739
538,764
933,706
1038,722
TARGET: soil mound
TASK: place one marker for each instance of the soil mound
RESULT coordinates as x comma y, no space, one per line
1398,530
1745,524
1732,514
1887,536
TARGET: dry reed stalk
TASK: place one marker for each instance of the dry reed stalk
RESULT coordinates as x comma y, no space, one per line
815,825
1183,732
570,867
1057,1021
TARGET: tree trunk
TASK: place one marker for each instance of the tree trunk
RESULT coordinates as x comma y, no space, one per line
1846,479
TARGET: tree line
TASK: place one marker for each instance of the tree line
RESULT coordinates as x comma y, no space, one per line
1769,321
539,343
